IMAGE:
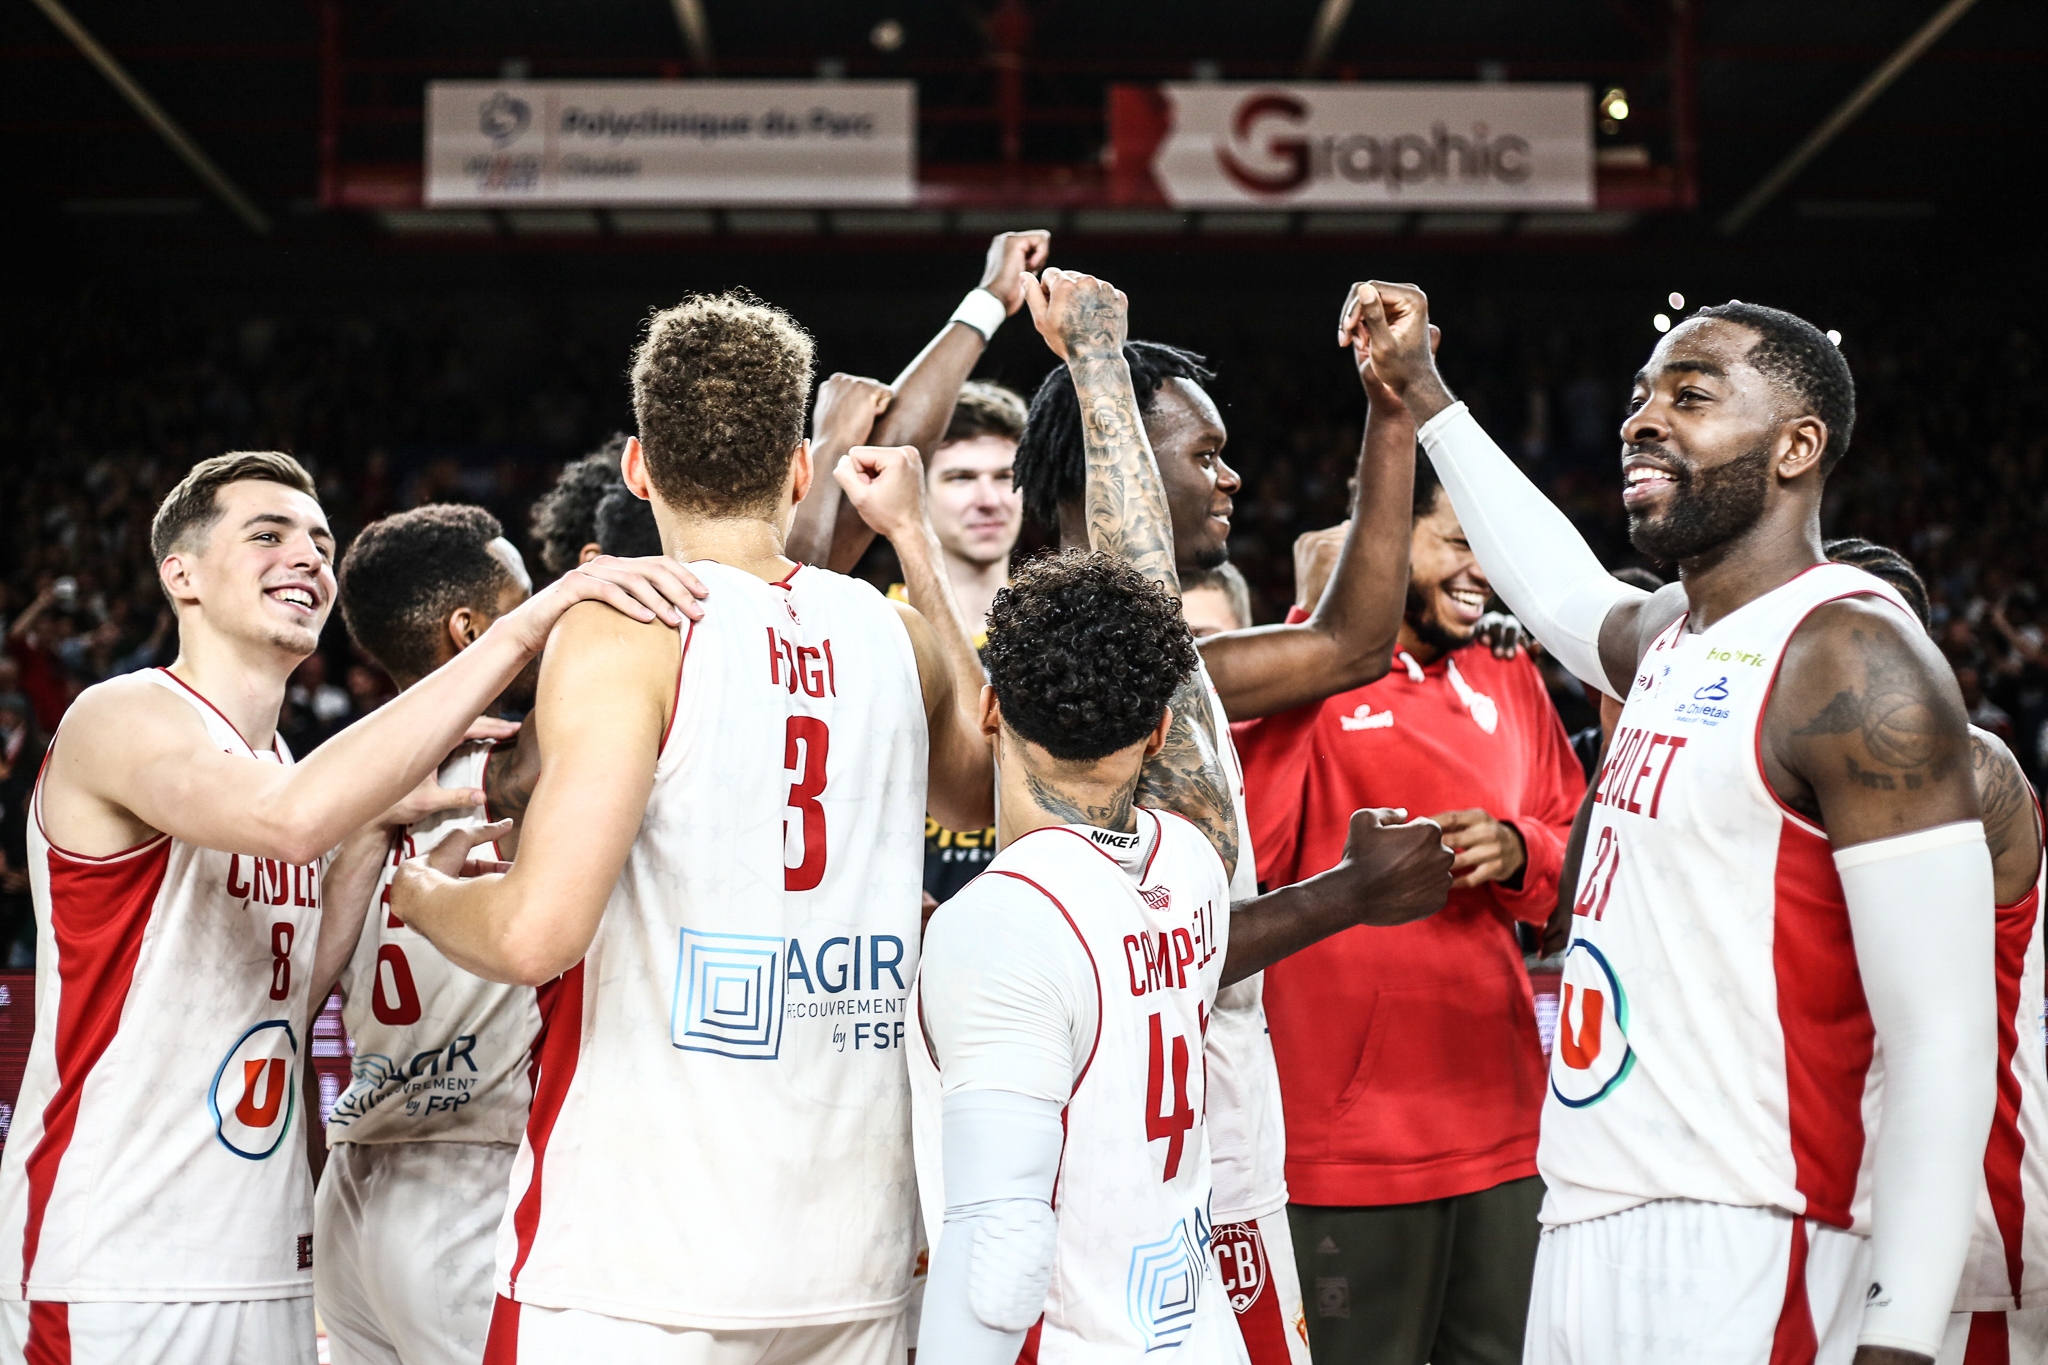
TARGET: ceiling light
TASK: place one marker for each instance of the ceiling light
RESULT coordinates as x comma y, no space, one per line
1676,299
887,36
1662,322
1614,104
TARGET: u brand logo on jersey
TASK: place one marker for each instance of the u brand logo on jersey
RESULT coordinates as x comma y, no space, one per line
1592,1054
255,1090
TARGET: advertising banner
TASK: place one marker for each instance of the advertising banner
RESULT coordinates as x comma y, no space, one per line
1493,146
800,143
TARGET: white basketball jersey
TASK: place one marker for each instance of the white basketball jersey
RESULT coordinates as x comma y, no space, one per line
720,1135
155,1154
1247,1129
1132,1271
1713,1042
441,1055
2008,1264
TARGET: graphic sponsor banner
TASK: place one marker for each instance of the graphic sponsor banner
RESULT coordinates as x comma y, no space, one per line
1396,145
502,143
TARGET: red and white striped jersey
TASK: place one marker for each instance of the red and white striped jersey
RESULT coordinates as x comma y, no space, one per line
2008,1264
1132,1272
155,1154
720,1135
441,1055
1247,1130
1713,1042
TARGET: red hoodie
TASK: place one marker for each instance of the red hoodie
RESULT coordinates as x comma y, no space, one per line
1410,1066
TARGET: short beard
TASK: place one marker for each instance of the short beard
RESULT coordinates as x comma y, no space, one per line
1213,557
1708,509
1431,632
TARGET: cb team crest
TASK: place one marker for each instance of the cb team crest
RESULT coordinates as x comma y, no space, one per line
1240,1264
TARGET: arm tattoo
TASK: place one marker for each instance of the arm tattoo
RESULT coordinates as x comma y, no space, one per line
1127,516
1186,776
1901,724
1126,503
2000,789
1116,815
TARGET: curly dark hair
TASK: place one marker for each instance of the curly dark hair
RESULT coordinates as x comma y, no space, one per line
720,384
1797,356
1052,462
1882,561
625,525
1084,653
405,574
565,518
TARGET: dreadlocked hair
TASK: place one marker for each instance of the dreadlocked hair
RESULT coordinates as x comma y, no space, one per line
1052,464
1883,562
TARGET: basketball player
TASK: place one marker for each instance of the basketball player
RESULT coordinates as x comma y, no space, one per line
151,1208
564,519
2000,1316
724,838
421,1142
1124,450
1215,600
1787,877
1062,1098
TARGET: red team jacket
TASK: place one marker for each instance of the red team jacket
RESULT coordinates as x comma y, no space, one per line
1410,1066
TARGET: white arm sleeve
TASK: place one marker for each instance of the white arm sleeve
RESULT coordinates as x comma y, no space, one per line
1920,912
993,1263
1535,558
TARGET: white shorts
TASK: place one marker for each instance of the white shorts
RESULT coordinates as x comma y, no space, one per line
1685,1283
2016,1338
249,1332
404,1247
523,1334
1255,1267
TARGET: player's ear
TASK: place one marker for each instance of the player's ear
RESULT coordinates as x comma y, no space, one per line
800,472
463,627
1156,741
991,713
1803,442
176,575
633,465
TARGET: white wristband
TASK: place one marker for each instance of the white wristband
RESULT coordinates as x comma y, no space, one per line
982,311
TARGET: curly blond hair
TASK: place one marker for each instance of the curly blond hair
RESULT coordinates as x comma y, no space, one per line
719,388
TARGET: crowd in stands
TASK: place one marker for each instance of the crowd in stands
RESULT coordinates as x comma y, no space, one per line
98,420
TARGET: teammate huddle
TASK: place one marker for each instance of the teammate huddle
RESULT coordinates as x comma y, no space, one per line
656,1063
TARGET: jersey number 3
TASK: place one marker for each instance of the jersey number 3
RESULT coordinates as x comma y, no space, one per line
806,744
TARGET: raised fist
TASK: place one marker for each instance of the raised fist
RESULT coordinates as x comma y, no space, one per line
1078,315
1395,870
1010,254
847,407
885,484
1387,327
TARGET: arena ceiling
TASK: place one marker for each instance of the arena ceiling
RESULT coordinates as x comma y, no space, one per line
258,84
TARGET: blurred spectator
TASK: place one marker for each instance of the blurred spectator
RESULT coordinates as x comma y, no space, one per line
1411,1068
625,525
1215,600
21,759
314,707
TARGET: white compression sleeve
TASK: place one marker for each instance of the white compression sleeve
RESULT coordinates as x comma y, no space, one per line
993,1263
1920,911
1536,559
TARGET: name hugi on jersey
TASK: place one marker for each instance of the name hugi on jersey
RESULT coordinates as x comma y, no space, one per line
149,1158
720,1132
441,1055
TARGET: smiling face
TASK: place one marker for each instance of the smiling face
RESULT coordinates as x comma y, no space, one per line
262,573
1698,445
1447,590
975,509
1187,438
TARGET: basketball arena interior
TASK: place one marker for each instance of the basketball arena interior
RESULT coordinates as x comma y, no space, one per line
414,246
